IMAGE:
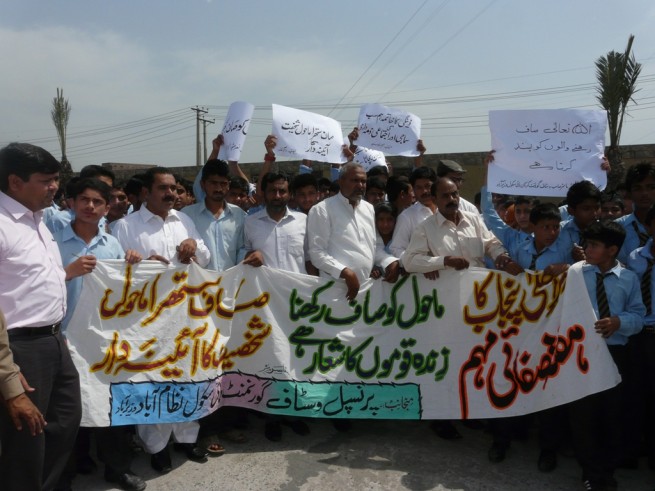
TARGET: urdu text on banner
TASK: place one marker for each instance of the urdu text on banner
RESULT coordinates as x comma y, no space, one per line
543,152
305,135
156,344
235,129
389,130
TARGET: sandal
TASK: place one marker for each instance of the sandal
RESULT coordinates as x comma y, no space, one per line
212,445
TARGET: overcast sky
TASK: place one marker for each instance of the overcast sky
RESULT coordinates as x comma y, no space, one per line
133,69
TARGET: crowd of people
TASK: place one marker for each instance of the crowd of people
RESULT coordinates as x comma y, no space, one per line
353,227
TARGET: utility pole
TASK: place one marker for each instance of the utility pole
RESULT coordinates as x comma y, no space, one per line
198,111
205,122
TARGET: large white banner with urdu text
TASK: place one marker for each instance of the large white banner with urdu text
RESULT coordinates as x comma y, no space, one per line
155,343
543,152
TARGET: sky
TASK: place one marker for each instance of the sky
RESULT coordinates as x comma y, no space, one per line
132,70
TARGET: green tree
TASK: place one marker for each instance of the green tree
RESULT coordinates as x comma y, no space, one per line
60,113
617,75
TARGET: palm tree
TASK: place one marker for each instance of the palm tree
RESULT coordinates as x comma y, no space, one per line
617,75
60,113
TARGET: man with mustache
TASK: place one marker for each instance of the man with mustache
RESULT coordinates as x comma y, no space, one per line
453,239
33,299
156,231
421,180
275,237
342,237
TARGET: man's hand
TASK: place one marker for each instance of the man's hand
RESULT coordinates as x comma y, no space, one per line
186,250
456,262
420,147
375,273
270,144
347,152
512,268
605,165
578,253
217,143
80,266
352,283
352,137
432,275
254,258
489,158
392,272
20,409
607,326
132,256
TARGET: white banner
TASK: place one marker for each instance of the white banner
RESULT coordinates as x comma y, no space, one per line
154,343
305,135
235,129
368,158
543,152
391,131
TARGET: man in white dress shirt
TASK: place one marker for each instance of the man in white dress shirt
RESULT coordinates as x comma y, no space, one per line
422,179
275,237
341,234
157,231
33,299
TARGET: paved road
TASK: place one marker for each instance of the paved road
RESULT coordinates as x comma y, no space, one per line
374,455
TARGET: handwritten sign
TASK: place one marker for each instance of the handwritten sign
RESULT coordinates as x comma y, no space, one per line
368,158
305,135
235,129
544,152
156,344
391,131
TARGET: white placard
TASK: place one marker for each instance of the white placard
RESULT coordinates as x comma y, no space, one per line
305,135
235,129
368,158
543,152
391,131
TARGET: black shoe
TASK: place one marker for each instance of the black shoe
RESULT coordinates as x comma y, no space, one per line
273,431
547,461
497,452
192,452
161,461
298,427
446,430
126,481
342,425
628,463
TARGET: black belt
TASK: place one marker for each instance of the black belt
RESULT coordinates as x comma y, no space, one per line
649,329
30,332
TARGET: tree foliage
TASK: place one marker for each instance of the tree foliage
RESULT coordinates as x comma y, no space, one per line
60,114
617,75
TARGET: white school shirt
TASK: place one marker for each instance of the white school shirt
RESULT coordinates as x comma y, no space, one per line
282,243
406,223
149,234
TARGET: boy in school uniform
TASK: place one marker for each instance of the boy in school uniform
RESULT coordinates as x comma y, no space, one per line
583,200
640,185
615,295
640,385
83,242
540,252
